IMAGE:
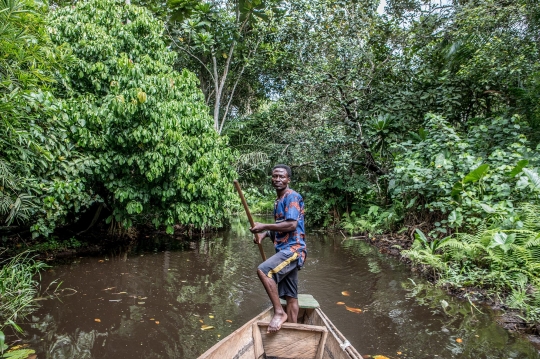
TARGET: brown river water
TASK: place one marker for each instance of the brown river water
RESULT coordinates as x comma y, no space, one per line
152,300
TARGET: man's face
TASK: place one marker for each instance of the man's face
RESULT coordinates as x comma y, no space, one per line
280,178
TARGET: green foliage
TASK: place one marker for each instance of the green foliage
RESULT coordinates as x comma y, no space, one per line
221,41
53,244
146,125
40,169
19,354
260,202
373,221
18,287
472,172
492,258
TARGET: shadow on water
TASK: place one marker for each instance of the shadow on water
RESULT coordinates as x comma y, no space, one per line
174,299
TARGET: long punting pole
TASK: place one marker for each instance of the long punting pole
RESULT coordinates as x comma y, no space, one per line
248,213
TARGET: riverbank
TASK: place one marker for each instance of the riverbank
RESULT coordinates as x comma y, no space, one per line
511,319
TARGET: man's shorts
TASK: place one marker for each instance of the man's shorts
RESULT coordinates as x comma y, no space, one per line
282,268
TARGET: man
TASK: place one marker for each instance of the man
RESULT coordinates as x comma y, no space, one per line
279,273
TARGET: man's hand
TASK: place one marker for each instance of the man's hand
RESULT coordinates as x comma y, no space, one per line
257,239
258,228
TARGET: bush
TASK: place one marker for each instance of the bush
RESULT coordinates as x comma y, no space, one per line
503,262
146,125
41,172
469,174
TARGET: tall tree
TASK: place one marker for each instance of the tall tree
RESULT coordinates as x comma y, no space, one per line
221,41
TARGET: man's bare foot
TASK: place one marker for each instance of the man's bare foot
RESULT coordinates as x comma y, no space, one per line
275,323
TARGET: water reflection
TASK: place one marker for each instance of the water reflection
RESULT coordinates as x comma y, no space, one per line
151,301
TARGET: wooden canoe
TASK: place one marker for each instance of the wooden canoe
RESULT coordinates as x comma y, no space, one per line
313,337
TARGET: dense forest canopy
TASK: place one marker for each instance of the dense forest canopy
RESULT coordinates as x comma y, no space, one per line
396,117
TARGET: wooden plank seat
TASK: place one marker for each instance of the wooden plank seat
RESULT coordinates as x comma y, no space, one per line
292,341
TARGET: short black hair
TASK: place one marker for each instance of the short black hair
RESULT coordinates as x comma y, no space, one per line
285,167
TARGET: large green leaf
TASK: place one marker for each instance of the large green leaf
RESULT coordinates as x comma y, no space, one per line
419,235
476,174
455,218
503,241
520,165
533,177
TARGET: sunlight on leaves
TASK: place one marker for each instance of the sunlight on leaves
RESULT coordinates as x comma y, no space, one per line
207,327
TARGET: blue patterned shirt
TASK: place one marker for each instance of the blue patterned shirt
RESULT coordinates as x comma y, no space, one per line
290,206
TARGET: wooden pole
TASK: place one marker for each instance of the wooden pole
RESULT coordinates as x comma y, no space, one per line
248,213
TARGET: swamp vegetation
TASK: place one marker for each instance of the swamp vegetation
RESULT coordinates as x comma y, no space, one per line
404,118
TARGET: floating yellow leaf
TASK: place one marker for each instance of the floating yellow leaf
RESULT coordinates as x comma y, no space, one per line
398,353
346,293
380,357
459,340
200,320
207,327
157,321
140,302
340,303
97,320
354,310
211,316
228,320
152,319
101,261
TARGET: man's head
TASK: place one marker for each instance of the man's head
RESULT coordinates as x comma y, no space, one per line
281,177
285,167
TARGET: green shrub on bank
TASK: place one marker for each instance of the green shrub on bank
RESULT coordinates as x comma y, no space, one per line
146,125
375,220
471,172
503,262
42,173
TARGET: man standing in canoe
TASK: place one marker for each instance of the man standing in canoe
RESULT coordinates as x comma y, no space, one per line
279,273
